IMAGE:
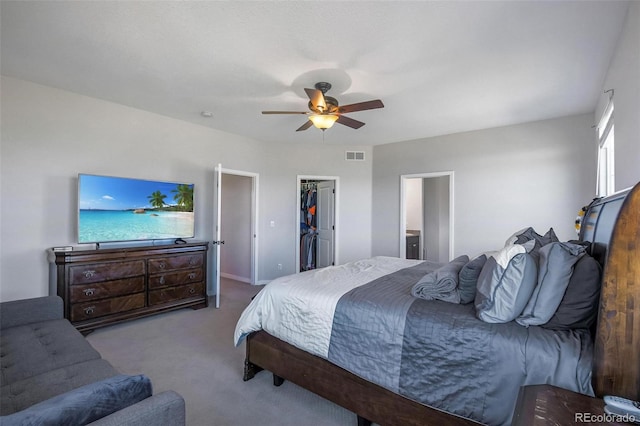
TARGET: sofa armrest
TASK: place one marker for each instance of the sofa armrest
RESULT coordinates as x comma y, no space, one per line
164,409
28,311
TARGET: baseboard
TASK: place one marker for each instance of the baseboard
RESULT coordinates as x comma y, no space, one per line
235,277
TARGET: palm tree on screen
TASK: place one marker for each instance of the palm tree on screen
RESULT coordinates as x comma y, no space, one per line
157,199
184,196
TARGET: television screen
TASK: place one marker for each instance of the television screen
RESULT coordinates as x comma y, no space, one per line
114,209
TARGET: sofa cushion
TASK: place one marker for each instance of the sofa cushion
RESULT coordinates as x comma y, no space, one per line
24,393
84,404
27,311
32,349
165,408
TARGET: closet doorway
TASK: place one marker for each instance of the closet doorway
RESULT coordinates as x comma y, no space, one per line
426,216
316,222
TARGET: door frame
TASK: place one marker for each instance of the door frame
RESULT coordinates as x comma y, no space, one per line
403,207
255,185
336,209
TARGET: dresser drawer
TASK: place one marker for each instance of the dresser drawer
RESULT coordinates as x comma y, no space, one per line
93,273
89,310
95,291
171,263
175,278
171,294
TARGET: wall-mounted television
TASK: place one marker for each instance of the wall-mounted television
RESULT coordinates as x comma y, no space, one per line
118,209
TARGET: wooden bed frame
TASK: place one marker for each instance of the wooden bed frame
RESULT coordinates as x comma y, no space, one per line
616,357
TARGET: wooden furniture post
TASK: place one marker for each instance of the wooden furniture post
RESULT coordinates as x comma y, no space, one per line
617,345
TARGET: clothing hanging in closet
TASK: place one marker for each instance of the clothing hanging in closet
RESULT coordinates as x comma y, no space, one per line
308,222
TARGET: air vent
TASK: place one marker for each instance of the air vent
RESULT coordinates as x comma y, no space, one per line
355,155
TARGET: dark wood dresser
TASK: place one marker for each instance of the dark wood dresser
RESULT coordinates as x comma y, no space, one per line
105,286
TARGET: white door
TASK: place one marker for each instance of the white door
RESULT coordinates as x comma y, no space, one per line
325,223
217,244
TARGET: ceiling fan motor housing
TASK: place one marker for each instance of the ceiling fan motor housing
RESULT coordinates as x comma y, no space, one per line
323,86
332,106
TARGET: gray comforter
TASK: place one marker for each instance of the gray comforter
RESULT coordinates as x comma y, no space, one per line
440,354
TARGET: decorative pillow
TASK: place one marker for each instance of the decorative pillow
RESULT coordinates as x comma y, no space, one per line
554,272
579,306
529,234
84,404
468,279
505,285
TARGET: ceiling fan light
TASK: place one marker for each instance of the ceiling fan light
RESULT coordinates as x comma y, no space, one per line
323,121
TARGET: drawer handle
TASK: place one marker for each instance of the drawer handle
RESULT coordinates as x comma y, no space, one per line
193,261
89,273
89,291
90,310
161,280
161,265
192,290
192,276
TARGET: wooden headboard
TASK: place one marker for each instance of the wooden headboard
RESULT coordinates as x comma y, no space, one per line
612,224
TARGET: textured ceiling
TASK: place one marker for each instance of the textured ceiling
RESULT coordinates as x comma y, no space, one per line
439,67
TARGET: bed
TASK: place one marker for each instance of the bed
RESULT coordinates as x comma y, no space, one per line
367,344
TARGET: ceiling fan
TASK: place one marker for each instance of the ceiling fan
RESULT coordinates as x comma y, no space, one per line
325,110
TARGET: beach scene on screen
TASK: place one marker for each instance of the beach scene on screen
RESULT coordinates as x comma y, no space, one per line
124,209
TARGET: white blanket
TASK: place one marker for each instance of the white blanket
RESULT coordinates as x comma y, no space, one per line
299,308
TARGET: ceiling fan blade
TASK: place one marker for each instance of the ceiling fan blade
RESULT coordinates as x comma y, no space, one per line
349,122
317,99
283,112
305,126
361,106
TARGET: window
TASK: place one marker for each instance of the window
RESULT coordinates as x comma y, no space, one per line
606,157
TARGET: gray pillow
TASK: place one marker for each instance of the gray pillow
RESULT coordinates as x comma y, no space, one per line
468,279
505,285
529,234
84,404
554,272
579,306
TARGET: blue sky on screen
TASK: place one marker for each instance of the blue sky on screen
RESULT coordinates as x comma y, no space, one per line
115,193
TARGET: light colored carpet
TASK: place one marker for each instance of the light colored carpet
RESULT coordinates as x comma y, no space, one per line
192,353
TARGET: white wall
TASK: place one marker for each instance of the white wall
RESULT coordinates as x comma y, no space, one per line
535,174
624,78
48,136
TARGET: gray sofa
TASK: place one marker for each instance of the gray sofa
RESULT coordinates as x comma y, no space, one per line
50,375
